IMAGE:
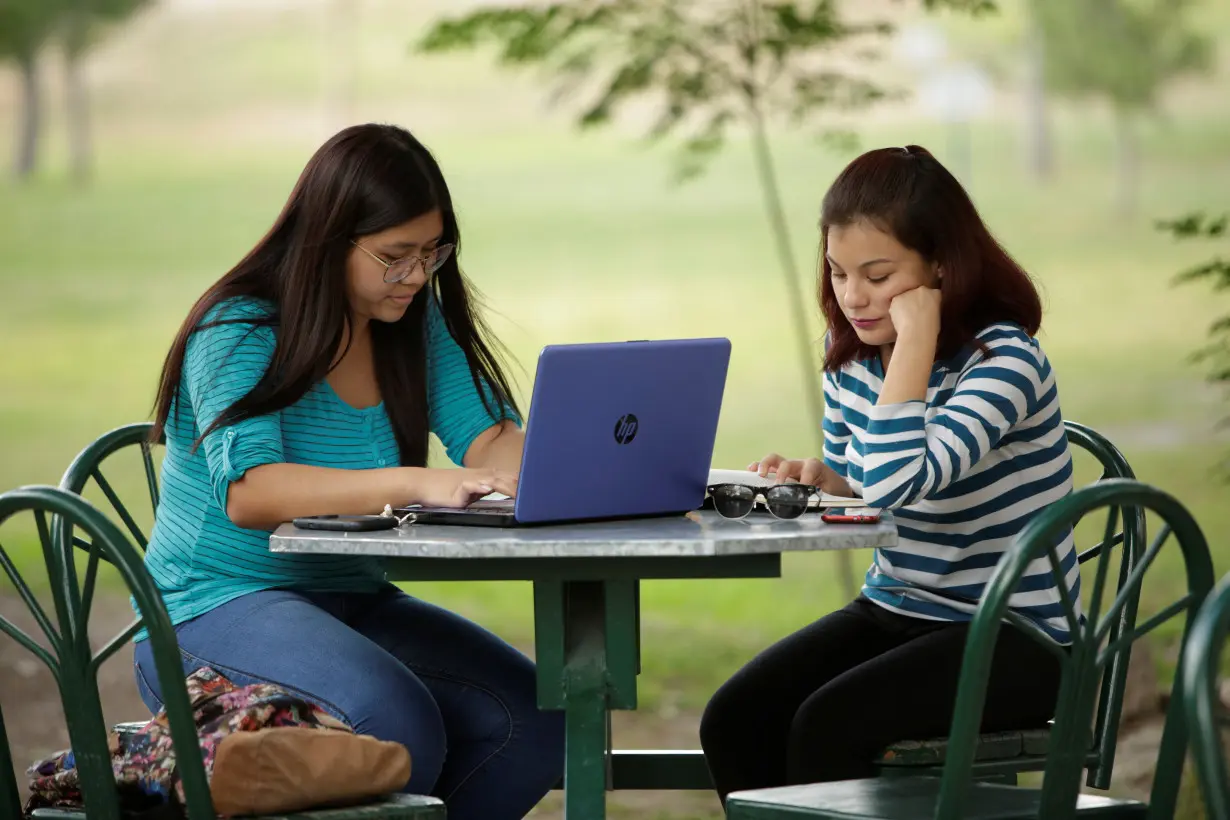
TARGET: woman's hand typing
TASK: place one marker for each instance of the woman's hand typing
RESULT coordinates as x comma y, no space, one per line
459,487
805,471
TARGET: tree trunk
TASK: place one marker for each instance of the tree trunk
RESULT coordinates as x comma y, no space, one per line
1127,162
1039,151
77,110
30,122
790,272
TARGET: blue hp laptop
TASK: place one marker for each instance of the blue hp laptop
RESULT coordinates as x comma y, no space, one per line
615,430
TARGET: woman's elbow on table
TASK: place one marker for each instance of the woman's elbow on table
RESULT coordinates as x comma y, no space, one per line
245,503
888,490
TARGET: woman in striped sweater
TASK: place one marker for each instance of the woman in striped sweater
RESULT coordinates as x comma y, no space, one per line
940,405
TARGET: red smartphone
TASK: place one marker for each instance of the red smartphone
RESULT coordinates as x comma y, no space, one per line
845,518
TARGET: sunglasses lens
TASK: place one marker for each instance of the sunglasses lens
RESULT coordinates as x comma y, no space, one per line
733,501
787,500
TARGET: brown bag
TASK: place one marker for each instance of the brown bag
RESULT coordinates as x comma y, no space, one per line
287,769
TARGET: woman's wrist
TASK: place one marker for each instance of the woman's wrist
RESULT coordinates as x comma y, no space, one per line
413,484
909,369
920,333
836,485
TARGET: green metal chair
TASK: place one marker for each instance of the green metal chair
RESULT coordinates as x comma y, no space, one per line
1207,719
955,793
87,467
66,650
1000,756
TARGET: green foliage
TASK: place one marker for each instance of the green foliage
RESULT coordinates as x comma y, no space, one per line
1123,50
1217,270
974,7
25,25
706,65
84,22
28,25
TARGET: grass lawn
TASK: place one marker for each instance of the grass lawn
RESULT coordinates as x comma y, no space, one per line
95,284
581,239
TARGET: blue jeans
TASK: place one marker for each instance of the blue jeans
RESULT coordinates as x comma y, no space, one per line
461,700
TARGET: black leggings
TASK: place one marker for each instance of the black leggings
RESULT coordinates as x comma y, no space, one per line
822,703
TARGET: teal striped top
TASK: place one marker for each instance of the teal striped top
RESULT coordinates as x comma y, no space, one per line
963,471
200,559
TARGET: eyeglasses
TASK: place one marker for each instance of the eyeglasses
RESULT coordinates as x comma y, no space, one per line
784,501
399,269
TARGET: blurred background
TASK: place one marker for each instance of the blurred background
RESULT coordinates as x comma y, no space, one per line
148,145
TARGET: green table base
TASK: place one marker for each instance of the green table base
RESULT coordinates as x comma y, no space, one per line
587,612
588,647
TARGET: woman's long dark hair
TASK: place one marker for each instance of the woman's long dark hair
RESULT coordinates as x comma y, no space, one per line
907,193
365,179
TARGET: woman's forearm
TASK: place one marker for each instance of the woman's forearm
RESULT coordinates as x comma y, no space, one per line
840,487
909,371
499,447
271,494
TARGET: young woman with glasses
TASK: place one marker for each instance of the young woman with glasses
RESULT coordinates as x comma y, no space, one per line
306,381
939,404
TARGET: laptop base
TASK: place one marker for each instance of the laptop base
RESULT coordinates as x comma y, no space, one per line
504,516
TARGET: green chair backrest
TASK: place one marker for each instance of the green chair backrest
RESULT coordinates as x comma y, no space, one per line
57,516
1130,537
1092,651
1206,717
87,467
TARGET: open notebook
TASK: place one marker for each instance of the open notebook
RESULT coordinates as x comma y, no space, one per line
751,479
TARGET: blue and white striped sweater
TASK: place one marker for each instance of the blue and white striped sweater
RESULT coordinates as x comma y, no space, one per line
963,472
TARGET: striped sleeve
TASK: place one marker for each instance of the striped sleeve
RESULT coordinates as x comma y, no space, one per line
836,433
456,411
222,363
908,458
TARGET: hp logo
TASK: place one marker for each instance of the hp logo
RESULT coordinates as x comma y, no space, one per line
625,429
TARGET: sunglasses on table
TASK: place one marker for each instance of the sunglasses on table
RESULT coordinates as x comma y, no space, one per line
783,501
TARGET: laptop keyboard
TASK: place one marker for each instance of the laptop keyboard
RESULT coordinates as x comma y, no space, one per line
497,505
485,506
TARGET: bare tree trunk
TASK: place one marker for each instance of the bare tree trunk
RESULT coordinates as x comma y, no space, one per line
785,257
790,272
30,122
77,110
1039,150
1127,162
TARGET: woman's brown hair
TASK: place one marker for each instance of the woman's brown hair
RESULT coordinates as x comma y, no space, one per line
365,179
907,193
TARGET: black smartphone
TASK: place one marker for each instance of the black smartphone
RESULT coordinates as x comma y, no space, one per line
346,523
